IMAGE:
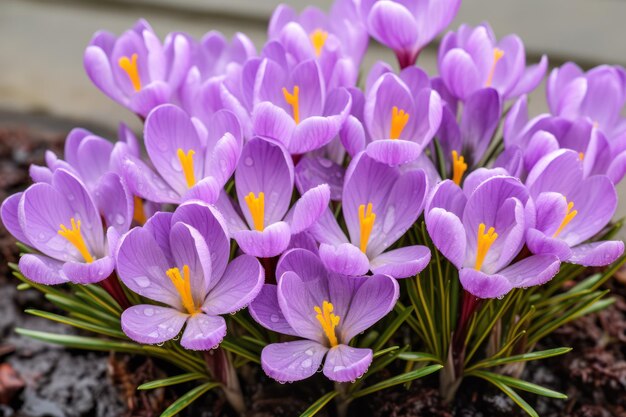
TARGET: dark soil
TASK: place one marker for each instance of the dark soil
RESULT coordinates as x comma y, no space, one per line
38,380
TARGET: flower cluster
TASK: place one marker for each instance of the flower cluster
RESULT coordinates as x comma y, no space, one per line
272,179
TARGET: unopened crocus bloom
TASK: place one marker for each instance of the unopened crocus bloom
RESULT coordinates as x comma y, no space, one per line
338,40
472,58
380,203
598,94
571,209
180,260
480,229
61,220
325,312
264,179
464,143
136,69
190,161
407,26
295,108
402,114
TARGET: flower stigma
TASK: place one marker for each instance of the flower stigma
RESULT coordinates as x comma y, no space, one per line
182,283
75,238
186,162
498,54
569,216
366,221
328,321
484,242
399,119
458,167
256,205
139,214
130,67
293,99
318,40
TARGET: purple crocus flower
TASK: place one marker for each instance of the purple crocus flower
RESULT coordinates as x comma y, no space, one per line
264,180
471,59
136,69
180,260
190,161
599,94
407,26
402,114
480,229
465,143
337,40
571,209
295,108
62,220
325,311
380,203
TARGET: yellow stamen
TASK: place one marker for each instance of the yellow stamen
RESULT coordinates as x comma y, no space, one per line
366,220
75,238
139,215
318,39
485,240
458,167
581,155
293,99
130,66
328,321
182,283
256,205
399,119
569,216
498,54
186,162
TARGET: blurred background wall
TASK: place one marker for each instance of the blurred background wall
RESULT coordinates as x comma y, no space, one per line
42,43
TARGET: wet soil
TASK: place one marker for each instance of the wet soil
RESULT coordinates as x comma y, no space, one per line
39,380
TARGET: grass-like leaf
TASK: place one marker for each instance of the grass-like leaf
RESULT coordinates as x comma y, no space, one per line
399,379
418,357
512,395
391,329
520,384
174,380
319,404
385,351
184,401
525,357
233,347
80,324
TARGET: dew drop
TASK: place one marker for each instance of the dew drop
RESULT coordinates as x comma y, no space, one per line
148,312
390,219
142,281
325,163
306,363
119,219
274,318
249,162
338,368
153,334
309,352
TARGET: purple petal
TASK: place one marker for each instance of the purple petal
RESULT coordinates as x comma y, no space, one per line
297,300
149,324
459,73
98,69
540,243
483,285
224,158
597,253
313,171
42,269
393,25
239,285
114,202
309,208
401,262
394,152
89,273
190,248
266,311
481,116
372,301
345,363
303,262
344,259
447,232
203,332
149,97
10,219
533,75
352,135
314,132
534,270
272,241
273,122
292,361
265,167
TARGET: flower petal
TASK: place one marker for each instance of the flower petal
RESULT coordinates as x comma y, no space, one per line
344,259
597,253
346,364
309,208
402,262
203,332
149,324
483,285
292,361
270,242
42,269
266,311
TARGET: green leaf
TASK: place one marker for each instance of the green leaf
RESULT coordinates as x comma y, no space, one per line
512,395
418,357
174,380
319,404
385,351
80,324
233,347
520,384
73,305
23,286
532,356
399,379
184,401
391,329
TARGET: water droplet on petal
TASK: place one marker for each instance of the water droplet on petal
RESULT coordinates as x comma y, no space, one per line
274,318
338,368
142,281
306,363
119,219
309,352
149,312
249,162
